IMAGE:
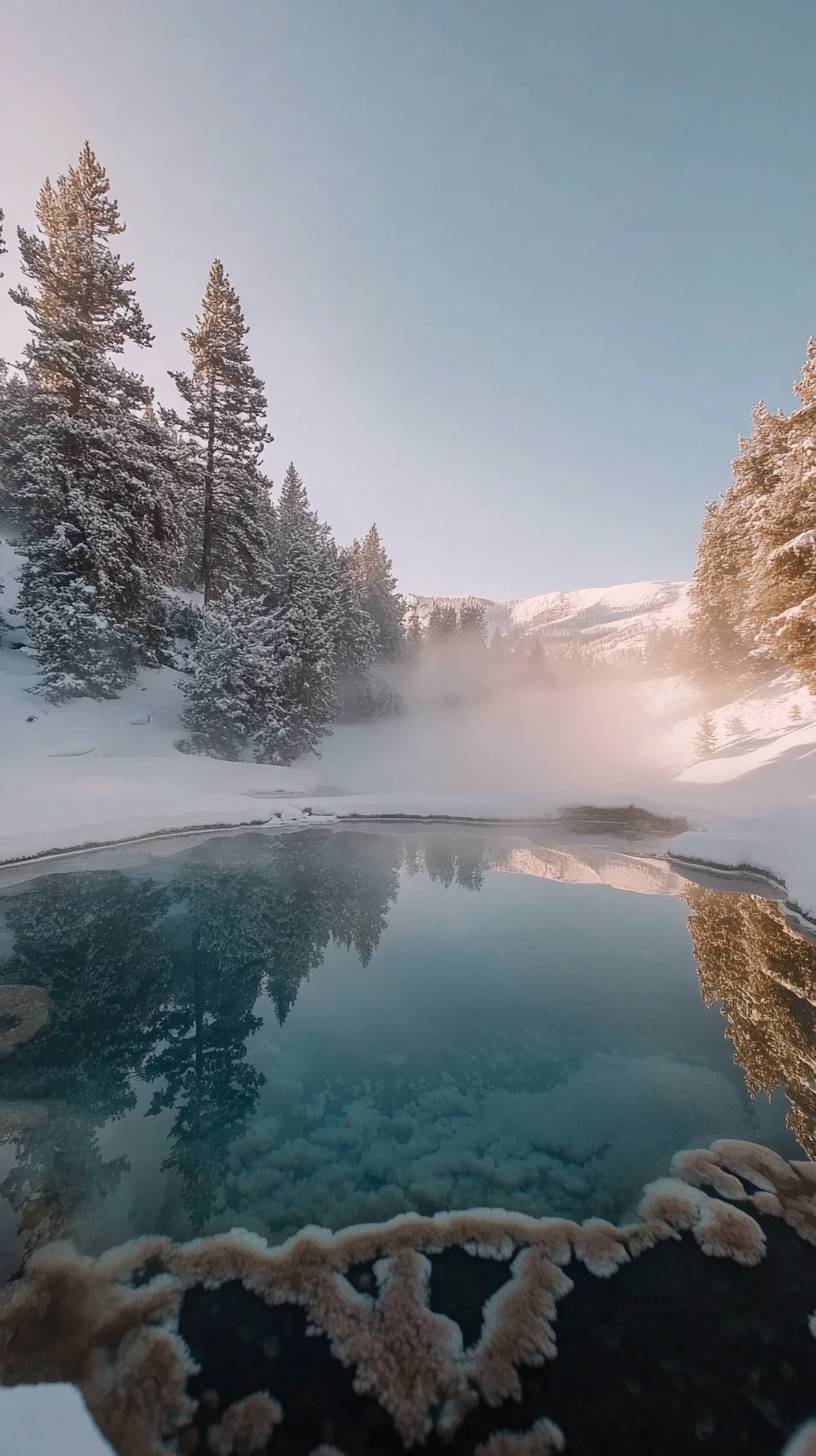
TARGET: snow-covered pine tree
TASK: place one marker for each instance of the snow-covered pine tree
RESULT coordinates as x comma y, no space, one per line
372,570
226,424
81,652
307,568
304,545
261,676
2,379
715,603
304,700
472,620
785,572
320,626
91,472
233,682
414,636
442,622
727,617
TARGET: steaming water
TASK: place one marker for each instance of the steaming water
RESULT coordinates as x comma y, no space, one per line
337,1026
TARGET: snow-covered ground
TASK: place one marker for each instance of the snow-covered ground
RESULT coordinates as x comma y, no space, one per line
88,773
35,1419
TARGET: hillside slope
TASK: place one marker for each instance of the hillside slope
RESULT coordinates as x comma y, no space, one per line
607,621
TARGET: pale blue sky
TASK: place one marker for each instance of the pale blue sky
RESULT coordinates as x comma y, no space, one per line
515,271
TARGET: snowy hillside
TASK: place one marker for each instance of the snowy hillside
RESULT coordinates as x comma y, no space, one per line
608,621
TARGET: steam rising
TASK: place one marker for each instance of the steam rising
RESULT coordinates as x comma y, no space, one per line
525,727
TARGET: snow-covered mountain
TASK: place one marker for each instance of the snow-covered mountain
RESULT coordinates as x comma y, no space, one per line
606,620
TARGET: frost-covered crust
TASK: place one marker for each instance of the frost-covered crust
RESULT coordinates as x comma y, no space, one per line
110,1324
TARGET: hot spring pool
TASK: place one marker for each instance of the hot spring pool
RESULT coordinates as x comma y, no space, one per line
333,1026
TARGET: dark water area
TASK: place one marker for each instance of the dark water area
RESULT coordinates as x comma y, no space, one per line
334,1026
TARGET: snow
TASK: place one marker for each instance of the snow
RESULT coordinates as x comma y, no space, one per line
88,773
37,1419
796,543
607,620
593,864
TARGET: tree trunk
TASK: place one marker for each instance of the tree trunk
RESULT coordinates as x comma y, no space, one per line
209,475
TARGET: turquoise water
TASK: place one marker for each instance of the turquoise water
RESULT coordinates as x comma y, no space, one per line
333,1026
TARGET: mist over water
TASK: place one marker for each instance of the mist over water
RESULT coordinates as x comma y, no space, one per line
553,733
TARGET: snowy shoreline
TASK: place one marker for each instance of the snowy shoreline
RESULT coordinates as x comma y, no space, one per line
332,811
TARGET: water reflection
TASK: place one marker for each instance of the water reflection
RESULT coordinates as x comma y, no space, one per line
93,943
159,978
159,981
763,975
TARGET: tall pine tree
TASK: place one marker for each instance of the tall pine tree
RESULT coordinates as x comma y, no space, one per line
377,589
785,576
226,423
95,479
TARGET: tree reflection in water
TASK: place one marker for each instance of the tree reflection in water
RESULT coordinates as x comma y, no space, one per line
763,974
158,981
157,977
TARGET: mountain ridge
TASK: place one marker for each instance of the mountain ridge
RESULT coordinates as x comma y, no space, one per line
606,621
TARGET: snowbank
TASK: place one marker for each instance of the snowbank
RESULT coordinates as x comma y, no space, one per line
35,1419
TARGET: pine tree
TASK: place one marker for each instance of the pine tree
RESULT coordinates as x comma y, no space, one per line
442,622
371,567
261,681
705,743
2,237
311,577
306,561
728,615
91,473
715,605
233,678
304,701
472,619
226,423
785,573
414,636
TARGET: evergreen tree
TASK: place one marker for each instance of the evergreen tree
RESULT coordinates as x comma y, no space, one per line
306,563
414,636
472,619
261,682
91,472
377,588
233,680
81,651
716,604
785,573
2,237
442,622
226,424
705,743
304,661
